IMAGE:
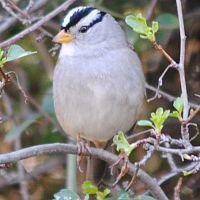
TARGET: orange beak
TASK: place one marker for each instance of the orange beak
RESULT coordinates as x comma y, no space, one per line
63,37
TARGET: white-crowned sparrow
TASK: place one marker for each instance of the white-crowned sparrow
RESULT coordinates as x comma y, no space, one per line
98,84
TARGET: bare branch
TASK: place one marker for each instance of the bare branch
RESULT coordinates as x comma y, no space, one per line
182,60
177,189
15,156
160,82
38,24
167,96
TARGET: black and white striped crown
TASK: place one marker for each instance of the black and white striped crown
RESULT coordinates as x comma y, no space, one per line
90,15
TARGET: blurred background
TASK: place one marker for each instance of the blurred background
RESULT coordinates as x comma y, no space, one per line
27,124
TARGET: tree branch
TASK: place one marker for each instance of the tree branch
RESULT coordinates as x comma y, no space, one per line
182,60
15,156
38,24
8,22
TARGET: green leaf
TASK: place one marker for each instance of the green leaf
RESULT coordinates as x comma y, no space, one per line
1,53
167,21
145,123
122,144
2,58
144,197
155,26
186,173
66,194
89,188
175,114
158,118
137,23
15,132
16,52
178,104
101,195
106,192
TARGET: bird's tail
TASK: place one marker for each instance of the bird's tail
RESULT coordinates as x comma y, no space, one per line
98,171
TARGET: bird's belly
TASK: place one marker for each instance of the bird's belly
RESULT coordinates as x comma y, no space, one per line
95,111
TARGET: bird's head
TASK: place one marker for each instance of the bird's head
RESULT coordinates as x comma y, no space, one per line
89,26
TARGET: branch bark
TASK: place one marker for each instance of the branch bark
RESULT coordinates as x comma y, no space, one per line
15,156
38,24
182,60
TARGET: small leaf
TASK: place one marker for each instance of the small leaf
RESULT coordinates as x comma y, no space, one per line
145,123
15,132
16,51
122,144
1,53
187,157
102,195
155,26
158,118
137,23
66,194
175,114
106,192
89,188
159,111
2,59
144,197
187,173
178,104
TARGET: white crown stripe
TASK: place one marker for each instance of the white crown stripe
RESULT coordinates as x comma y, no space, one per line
85,20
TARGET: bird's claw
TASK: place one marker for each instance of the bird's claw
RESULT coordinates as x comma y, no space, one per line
122,156
83,148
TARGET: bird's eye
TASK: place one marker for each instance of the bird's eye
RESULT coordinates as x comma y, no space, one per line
83,29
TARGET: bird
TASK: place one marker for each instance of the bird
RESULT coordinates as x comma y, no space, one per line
98,81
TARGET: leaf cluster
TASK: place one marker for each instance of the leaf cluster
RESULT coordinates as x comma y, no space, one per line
90,189
121,143
159,117
157,120
139,24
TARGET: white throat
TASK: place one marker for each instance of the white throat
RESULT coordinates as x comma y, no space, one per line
68,50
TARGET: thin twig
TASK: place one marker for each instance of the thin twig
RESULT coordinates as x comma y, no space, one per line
158,47
160,82
167,96
192,115
38,24
8,22
177,189
170,159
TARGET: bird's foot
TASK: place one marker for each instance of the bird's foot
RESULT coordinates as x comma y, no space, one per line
83,148
122,156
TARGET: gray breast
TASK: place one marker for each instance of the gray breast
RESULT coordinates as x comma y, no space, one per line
98,96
